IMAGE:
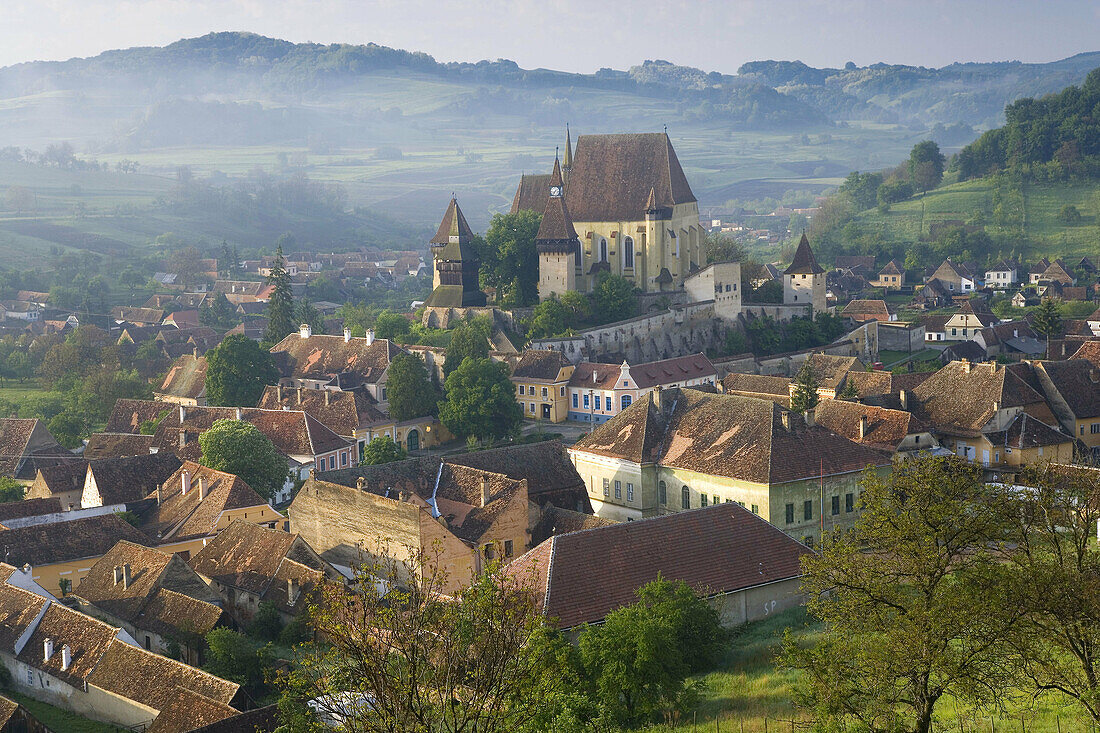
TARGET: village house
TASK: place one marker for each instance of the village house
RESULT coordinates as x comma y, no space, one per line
155,597
541,378
965,323
862,265
935,327
185,382
63,482
990,414
1013,340
110,482
1004,274
335,362
599,392
249,565
195,503
895,431
746,568
1035,272
763,387
60,554
460,518
955,277
831,373
545,466
116,445
1057,272
868,310
74,662
1023,300
241,291
681,449
138,316
354,416
1073,389
891,277
28,445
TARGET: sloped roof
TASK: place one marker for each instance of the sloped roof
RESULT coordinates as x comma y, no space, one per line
151,679
247,556
340,411
127,415
28,508
87,638
67,476
539,364
531,193
453,225
556,231
1026,432
867,309
612,176
116,445
545,466
1090,350
320,356
183,710
259,720
18,610
179,515
669,371
855,262
582,576
726,435
47,544
293,432
137,315
831,370
1078,382
886,429
554,521
186,378
595,375
960,396
125,480
893,267
776,389
804,262
15,438
951,269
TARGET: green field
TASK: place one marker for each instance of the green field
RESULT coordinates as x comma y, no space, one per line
1031,221
18,394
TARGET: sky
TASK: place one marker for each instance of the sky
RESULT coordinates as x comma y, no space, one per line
583,35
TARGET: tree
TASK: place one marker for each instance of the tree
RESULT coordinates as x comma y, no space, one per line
306,313
10,490
280,304
548,319
390,325
913,602
411,654
613,297
469,340
721,247
382,450
639,659
1057,641
20,199
480,401
237,370
578,308
805,395
849,393
131,279
233,656
1047,320
509,261
926,164
220,314
239,448
69,427
409,389
1069,215
266,624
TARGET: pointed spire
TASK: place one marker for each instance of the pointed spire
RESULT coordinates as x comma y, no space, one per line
453,227
804,262
555,177
651,202
556,231
568,162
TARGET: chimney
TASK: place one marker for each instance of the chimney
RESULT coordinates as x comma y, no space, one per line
966,366
484,490
863,426
66,657
360,483
328,397
279,392
808,416
347,335
291,591
183,413
183,438
185,481
370,336
657,395
118,574
785,418
996,406
126,576
160,496
904,397
305,330
195,352
240,414
47,649
1094,376
203,489
299,395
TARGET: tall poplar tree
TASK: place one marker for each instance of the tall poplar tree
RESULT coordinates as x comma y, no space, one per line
280,307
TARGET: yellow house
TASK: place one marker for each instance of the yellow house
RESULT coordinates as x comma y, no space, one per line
680,449
891,277
1073,389
542,380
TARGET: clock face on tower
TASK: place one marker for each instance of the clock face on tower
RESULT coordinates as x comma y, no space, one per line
555,190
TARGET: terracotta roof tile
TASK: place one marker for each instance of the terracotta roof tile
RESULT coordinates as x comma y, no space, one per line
554,521
671,371
886,429
583,576
127,415
606,375
18,610
340,412
1090,350
125,480
116,445
184,710
47,544
186,378
28,508
355,361
151,679
247,556
960,396
293,432
1078,383
179,515
87,638
531,193
260,720
551,477
540,364
804,261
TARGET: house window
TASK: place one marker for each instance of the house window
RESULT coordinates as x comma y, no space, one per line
717,499
629,491
603,250
628,253
521,389
836,505
148,642
789,514
585,402
574,400
508,548
607,487
532,408
1094,428
808,541
755,508
954,332
685,498
702,499
662,493
849,503
807,510
331,462
320,464
626,400
544,393
561,391
344,458
618,489
490,551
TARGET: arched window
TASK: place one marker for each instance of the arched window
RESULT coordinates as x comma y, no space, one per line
662,493
625,401
685,498
628,253
603,250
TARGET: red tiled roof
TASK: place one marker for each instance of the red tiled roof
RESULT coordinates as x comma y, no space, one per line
582,576
672,371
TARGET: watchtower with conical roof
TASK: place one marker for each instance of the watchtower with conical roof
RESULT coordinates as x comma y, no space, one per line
804,280
557,243
455,263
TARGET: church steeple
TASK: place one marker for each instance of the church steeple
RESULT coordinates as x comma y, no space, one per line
567,162
556,231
